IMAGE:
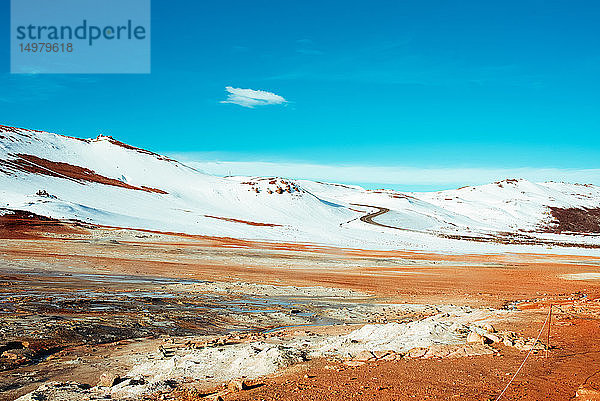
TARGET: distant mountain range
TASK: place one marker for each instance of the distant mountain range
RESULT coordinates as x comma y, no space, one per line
106,182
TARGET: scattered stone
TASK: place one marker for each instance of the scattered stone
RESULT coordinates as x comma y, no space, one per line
67,391
478,349
10,355
354,363
237,385
473,337
418,352
458,353
108,379
471,350
493,338
438,351
489,328
226,358
587,394
530,344
166,352
364,355
17,356
382,354
392,357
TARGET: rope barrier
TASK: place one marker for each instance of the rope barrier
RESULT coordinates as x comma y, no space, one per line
526,356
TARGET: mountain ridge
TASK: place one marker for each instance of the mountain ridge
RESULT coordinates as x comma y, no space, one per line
107,182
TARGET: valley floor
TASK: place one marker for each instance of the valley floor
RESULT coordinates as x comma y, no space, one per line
86,304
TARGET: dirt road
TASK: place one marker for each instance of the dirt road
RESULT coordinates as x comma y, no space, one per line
368,218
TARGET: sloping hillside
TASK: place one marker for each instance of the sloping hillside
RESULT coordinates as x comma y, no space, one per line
106,182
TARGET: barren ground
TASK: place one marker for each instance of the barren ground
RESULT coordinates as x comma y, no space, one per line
82,301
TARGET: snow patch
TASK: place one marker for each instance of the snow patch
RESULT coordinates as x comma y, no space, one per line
582,276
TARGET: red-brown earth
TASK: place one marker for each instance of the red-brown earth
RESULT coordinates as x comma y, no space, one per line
496,280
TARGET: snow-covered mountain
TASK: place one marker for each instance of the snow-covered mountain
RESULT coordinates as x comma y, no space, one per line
106,182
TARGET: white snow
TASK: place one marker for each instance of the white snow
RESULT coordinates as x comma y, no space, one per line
582,276
304,211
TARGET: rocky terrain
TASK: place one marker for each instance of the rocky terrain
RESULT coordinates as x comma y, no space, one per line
90,312
127,275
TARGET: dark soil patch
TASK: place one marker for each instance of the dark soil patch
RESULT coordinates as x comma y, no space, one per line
580,220
20,224
38,165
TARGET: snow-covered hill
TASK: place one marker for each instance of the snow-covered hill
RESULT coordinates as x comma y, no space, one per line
106,182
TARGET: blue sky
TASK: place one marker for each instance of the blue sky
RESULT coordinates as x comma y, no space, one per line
509,86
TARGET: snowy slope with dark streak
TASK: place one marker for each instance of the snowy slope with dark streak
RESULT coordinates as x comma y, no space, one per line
106,182
103,182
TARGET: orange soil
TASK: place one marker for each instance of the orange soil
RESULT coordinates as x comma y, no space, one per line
573,363
478,280
489,280
25,225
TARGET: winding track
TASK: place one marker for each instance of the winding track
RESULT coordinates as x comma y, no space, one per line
520,239
368,218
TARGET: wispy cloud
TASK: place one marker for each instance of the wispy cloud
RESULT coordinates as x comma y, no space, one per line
251,98
305,46
390,176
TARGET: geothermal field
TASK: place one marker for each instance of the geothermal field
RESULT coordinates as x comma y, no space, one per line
127,275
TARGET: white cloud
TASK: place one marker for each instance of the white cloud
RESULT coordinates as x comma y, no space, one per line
251,98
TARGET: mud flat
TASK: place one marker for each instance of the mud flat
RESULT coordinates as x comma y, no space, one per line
90,312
